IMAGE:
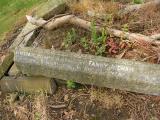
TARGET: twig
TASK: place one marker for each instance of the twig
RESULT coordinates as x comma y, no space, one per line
72,100
58,106
149,57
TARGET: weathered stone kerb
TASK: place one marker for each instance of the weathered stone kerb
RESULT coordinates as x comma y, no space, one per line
87,69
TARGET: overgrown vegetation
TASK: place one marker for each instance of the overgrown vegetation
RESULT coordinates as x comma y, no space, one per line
70,38
98,40
71,84
97,43
84,43
137,1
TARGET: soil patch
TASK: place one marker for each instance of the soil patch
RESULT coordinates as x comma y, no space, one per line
84,103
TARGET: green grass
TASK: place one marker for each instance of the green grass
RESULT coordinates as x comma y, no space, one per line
12,11
138,1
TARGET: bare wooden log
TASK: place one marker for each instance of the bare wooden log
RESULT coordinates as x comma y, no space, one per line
71,19
87,69
57,22
27,84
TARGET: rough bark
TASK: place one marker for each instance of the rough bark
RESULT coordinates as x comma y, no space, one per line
93,70
27,84
71,19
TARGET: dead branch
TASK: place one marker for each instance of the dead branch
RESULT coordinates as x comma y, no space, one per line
58,106
42,24
68,19
71,19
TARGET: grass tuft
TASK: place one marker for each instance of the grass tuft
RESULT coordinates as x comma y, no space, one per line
12,11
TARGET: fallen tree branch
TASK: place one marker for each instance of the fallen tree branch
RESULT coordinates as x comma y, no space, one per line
88,69
42,24
71,19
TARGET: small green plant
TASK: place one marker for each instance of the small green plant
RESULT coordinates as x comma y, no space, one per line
70,38
103,36
101,49
109,20
84,43
37,116
98,40
71,84
137,1
94,36
125,28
